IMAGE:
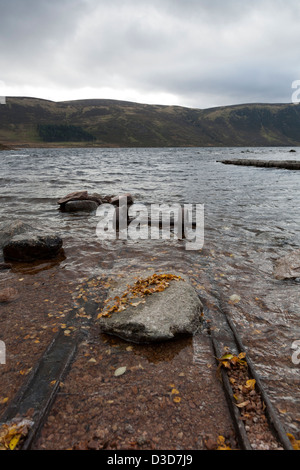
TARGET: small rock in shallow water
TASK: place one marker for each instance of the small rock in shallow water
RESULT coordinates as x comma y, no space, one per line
81,206
8,295
161,316
31,246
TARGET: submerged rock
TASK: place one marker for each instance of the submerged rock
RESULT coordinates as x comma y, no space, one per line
8,295
288,267
160,316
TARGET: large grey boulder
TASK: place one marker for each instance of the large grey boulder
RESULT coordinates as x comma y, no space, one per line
288,267
161,316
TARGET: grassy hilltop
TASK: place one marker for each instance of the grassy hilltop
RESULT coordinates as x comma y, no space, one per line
109,123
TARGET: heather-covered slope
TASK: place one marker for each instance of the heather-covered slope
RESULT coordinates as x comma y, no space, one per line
36,122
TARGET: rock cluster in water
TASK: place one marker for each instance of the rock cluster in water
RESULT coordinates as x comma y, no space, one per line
82,201
23,243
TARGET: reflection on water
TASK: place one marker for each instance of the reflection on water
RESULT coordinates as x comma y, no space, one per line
252,217
154,353
37,266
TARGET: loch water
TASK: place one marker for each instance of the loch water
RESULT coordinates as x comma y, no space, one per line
252,219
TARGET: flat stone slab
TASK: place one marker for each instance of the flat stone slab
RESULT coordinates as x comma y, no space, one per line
157,317
286,164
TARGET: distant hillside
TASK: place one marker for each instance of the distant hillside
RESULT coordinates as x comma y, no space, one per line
109,123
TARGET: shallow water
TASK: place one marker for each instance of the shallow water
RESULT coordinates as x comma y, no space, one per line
252,217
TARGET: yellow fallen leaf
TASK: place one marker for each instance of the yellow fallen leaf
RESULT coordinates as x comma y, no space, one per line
25,371
227,357
175,391
295,443
242,405
222,444
177,399
251,384
14,441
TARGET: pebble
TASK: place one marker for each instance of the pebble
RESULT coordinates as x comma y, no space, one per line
120,371
8,295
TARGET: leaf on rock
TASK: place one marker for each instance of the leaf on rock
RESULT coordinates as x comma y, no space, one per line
140,289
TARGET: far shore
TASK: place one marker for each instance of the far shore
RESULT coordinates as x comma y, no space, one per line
66,145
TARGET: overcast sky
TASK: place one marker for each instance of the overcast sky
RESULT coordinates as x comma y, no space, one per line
196,53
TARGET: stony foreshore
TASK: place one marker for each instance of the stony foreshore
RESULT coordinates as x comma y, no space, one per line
286,164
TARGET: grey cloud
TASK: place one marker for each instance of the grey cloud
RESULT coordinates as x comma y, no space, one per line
202,52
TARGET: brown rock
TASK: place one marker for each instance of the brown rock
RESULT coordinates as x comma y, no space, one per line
8,295
81,206
32,246
210,444
80,196
288,267
76,196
